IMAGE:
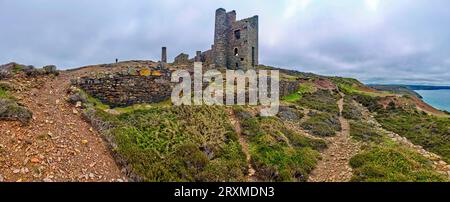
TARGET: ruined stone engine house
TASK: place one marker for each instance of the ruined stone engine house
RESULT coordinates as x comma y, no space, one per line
235,44
235,47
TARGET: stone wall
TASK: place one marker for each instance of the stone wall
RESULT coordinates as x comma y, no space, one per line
182,59
119,90
288,87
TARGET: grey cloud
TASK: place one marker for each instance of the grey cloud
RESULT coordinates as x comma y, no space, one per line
402,41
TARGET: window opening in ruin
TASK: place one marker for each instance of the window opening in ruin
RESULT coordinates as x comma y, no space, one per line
253,56
237,34
242,59
236,52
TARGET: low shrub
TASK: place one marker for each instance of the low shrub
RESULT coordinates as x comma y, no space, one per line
183,143
428,131
321,100
11,110
392,163
322,124
350,110
363,132
279,154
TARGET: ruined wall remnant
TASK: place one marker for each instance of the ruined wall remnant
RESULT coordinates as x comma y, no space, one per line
288,87
118,90
182,59
235,42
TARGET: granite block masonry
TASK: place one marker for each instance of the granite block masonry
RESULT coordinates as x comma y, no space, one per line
120,90
235,42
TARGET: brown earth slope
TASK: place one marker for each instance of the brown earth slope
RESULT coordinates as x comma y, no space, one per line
58,145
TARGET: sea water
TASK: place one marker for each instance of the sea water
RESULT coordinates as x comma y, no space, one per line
439,99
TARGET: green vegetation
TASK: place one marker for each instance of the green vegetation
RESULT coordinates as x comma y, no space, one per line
347,89
433,133
392,163
5,87
292,97
345,81
346,85
321,100
362,131
17,68
303,89
351,111
279,154
368,101
136,107
3,93
178,144
383,160
322,124
11,110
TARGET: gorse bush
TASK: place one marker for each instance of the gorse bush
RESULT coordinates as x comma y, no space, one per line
392,163
10,109
279,154
362,131
303,89
368,101
433,133
351,111
181,144
322,124
321,100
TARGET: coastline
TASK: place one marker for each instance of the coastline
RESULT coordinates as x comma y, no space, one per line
439,98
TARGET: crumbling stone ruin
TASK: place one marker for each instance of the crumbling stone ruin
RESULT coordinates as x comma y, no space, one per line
125,89
182,59
235,44
235,47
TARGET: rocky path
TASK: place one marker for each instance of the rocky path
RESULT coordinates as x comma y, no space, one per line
58,145
334,165
251,177
438,164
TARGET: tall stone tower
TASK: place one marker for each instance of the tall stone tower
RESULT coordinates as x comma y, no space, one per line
235,42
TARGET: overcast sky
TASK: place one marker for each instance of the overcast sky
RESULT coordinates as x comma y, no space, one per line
376,41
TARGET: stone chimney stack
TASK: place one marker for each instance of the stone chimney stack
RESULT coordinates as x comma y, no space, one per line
164,55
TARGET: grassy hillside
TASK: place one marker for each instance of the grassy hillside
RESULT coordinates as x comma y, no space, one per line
160,142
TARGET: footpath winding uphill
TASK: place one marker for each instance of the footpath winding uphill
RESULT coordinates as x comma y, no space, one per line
251,176
58,145
334,165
